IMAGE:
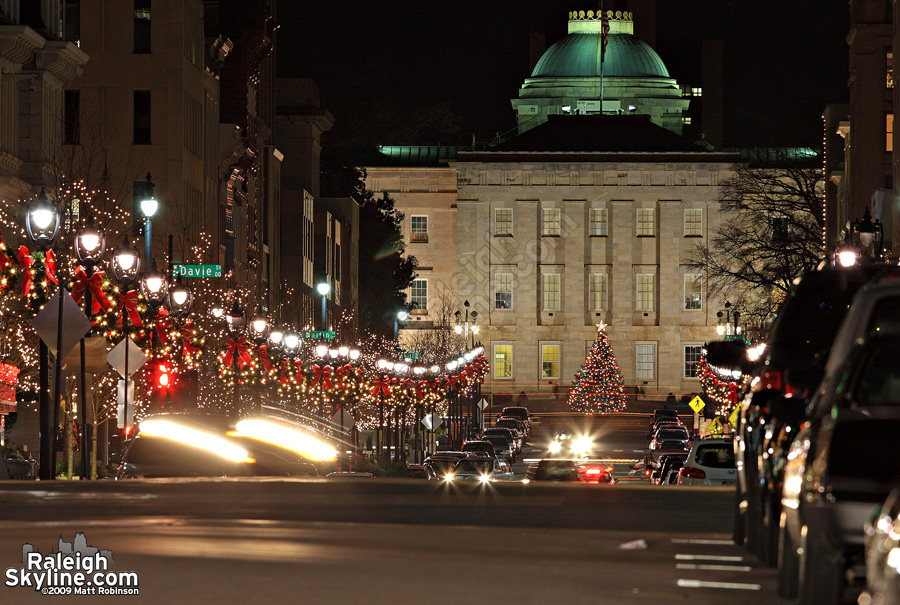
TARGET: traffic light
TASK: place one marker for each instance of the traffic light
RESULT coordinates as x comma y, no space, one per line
162,377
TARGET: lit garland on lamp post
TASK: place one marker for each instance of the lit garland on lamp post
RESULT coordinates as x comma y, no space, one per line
236,355
726,393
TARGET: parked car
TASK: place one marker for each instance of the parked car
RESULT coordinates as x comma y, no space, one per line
788,369
843,462
503,446
480,445
669,446
710,462
513,423
665,464
481,469
416,471
661,413
671,477
595,473
670,434
552,469
440,463
883,551
518,412
513,434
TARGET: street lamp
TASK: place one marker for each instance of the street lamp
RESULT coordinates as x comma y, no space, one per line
259,328
126,266
276,338
401,316
464,328
90,244
154,288
149,206
235,319
291,342
42,222
180,299
729,329
323,289
869,232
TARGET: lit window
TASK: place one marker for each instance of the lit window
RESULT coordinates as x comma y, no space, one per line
645,357
691,357
419,229
141,26
418,296
889,69
550,291
645,220
502,361
549,361
550,222
503,291
598,287
645,291
696,91
693,222
503,221
889,131
598,221
686,120
693,291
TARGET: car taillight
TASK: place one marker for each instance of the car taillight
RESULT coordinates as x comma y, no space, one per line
689,472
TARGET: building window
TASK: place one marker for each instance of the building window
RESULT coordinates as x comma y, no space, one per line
503,221
645,360
696,91
550,221
419,229
598,222
72,21
502,361
889,131
418,296
645,226
889,69
597,289
503,291
142,26
779,229
693,222
691,357
549,361
141,118
550,291
693,291
686,120
645,291
72,117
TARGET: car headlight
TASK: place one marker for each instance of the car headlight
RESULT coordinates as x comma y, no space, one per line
448,477
582,445
555,447
484,478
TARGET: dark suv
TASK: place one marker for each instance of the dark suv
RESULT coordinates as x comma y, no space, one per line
787,372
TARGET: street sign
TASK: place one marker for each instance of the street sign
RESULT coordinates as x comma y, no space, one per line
482,404
319,335
715,427
122,419
735,414
343,419
94,356
697,404
196,270
136,358
432,422
75,323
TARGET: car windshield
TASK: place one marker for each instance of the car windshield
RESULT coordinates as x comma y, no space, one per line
879,382
672,434
495,440
508,423
718,455
473,466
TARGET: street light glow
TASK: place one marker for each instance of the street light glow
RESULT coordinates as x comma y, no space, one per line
402,315
149,206
42,217
847,258
323,288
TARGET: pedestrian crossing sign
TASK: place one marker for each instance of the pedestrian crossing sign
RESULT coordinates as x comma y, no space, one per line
733,416
715,428
697,404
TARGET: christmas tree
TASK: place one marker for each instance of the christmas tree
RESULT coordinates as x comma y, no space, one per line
598,384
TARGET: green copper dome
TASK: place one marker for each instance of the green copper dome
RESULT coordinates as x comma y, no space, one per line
578,55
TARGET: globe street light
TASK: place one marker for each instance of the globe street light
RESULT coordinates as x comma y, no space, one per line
259,327
149,206
180,299
42,221
401,316
323,289
291,342
126,266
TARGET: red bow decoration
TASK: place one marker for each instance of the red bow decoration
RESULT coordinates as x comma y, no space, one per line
382,385
451,381
263,352
50,265
420,389
239,347
187,333
128,302
341,372
25,260
92,283
162,326
732,392
284,368
323,374
298,369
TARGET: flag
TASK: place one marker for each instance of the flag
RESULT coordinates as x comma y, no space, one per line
604,34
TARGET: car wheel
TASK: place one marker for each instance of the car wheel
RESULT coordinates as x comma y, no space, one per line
821,572
788,563
738,529
768,545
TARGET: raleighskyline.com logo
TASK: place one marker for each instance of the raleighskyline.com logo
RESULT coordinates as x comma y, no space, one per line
74,568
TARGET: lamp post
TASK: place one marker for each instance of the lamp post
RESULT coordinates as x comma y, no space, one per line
869,232
464,328
401,316
728,329
149,206
42,226
236,319
126,267
90,244
154,287
323,288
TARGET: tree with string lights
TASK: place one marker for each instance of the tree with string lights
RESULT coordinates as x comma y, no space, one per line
598,387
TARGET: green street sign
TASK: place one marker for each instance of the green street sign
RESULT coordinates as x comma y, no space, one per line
319,335
196,270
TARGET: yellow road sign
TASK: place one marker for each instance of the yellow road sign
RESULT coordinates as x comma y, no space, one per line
697,404
715,427
734,415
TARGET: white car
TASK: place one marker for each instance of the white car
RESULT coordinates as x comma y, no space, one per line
710,462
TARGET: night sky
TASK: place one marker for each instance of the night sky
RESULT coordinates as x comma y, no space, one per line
440,72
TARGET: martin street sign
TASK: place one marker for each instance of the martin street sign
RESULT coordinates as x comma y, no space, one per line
319,335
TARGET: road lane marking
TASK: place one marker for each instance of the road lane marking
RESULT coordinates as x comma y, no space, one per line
688,541
682,557
713,567
731,585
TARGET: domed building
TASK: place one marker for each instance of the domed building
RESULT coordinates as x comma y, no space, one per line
576,76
